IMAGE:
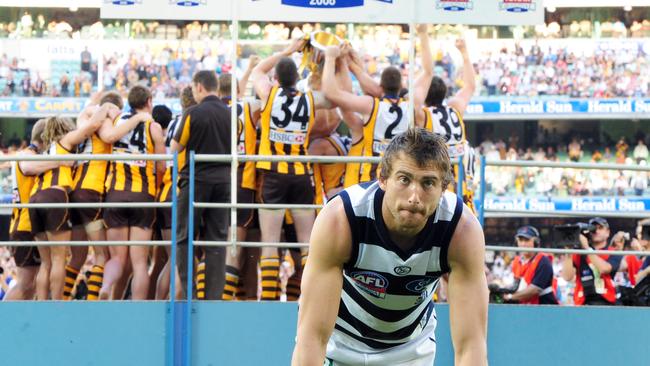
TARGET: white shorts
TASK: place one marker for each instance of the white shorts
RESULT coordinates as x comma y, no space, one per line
343,350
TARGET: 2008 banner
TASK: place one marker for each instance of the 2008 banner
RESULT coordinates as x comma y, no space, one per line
492,12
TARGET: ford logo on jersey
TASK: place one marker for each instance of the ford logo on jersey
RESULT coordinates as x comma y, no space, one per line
402,270
371,282
328,3
420,285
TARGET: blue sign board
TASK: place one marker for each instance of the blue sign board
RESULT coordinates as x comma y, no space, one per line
532,204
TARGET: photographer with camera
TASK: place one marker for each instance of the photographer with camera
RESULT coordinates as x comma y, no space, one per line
533,272
593,272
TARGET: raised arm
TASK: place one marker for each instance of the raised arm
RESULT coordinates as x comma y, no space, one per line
367,83
460,101
321,286
423,81
261,82
252,62
468,292
341,98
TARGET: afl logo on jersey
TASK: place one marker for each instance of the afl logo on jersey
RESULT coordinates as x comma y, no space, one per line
371,282
420,285
402,270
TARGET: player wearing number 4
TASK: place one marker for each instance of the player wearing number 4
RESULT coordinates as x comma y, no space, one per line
286,121
385,112
132,181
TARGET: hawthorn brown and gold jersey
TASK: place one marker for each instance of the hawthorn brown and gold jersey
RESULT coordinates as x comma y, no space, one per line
136,176
286,122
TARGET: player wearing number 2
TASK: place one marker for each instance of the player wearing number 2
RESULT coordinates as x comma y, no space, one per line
132,181
286,121
446,119
387,115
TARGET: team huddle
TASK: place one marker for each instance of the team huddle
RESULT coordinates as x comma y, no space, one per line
317,115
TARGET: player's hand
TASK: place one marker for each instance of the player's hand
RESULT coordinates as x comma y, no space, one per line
346,49
584,242
295,46
461,45
421,28
333,51
253,61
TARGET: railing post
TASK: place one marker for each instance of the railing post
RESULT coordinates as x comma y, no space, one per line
174,338
481,210
460,178
190,265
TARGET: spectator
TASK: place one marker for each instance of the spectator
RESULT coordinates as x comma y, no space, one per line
621,151
640,152
575,150
86,59
593,273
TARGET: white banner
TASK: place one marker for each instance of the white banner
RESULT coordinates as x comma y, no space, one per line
477,12
211,10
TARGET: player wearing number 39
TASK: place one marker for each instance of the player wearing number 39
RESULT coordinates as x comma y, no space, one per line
377,252
286,121
132,181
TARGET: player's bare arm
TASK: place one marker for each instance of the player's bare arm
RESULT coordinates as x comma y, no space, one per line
460,101
468,292
322,283
344,99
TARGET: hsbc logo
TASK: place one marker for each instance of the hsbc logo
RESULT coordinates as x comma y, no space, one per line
371,283
123,2
186,3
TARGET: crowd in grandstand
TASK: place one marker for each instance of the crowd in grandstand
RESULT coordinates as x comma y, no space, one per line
143,76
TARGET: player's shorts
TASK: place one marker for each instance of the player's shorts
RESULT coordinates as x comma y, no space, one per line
164,216
49,219
84,216
132,217
24,256
276,188
343,350
246,217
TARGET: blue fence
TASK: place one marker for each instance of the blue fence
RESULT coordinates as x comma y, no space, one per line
251,333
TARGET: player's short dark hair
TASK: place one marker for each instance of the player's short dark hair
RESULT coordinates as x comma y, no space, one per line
162,114
112,97
207,79
225,83
286,72
437,92
391,80
187,98
139,96
424,147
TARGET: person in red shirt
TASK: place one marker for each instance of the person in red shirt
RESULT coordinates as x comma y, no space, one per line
533,272
593,272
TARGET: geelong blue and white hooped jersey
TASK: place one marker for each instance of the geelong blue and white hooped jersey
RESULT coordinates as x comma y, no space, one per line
387,293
